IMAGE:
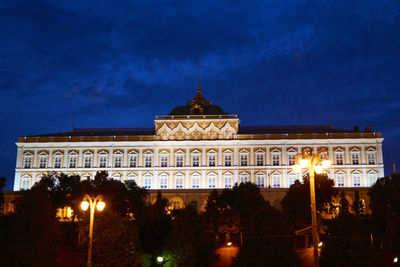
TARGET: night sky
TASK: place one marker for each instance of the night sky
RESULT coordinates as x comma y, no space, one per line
121,63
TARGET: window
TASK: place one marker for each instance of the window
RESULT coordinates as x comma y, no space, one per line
117,177
211,160
371,158
28,162
340,179
163,181
132,177
164,161
195,181
196,160
357,179
57,162
148,159
147,182
372,177
132,161
292,178
291,158
275,159
88,161
355,158
117,161
179,182
228,181
339,158
260,159
276,180
243,159
260,181
179,160
25,184
72,161
228,160
244,178
212,181
103,161
42,161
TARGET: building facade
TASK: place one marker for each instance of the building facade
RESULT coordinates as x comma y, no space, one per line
198,146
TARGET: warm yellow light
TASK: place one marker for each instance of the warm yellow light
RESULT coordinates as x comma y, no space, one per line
303,163
320,244
229,244
84,205
326,164
395,259
160,259
318,169
297,168
100,205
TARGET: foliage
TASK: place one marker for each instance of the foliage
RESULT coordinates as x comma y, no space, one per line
188,243
358,206
2,185
343,205
31,232
296,203
385,206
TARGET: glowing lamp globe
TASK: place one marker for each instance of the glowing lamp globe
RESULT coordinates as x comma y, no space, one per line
160,259
303,163
84,205
100,205
318,169
326,164
297,168
229,244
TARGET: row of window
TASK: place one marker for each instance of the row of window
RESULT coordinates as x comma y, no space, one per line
179,160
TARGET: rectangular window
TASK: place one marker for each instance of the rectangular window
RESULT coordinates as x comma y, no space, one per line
88,161
117,161
28,162
163,182
357,180
291,160
372,177
340,180
260,181
212,182
276,181
244,178
164,161
57,162
179,182
275,160
179,160
228,160
25,183
103,161
133,161
196,182
339,158
371,158
292,179
243,160
72,161
42,162
196,160
148,159
228,181
260,159
211,160
355,158
147,182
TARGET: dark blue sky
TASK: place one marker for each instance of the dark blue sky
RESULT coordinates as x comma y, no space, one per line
120,63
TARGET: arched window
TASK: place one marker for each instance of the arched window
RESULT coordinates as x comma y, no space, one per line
43,160
228,180
292,178
179,181
147,181
260,180
195,180
276,180
26,182
244,177
132,177
163,181
133,156
356,178
103,156
148,159
228,158
339,156
118,159
355,156
244,157
164,159
27,163
57,159
340,179
212,180
87,157
180,158
117,176
372,177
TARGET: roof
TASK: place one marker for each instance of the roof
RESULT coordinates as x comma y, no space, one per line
103,132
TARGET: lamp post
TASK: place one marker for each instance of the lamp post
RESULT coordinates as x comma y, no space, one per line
314,163
96,202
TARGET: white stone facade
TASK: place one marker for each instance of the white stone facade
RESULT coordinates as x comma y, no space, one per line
209,160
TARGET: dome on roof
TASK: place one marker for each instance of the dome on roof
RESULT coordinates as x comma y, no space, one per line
198,106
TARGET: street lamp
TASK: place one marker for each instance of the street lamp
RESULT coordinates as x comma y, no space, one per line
93,203
314,163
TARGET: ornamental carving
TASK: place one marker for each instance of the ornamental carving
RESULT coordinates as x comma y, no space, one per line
200,129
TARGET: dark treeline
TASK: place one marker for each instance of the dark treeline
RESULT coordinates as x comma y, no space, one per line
131,231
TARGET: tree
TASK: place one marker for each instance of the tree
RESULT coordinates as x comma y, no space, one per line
296,203
358,206
343,205
188,243
30,234
2,185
